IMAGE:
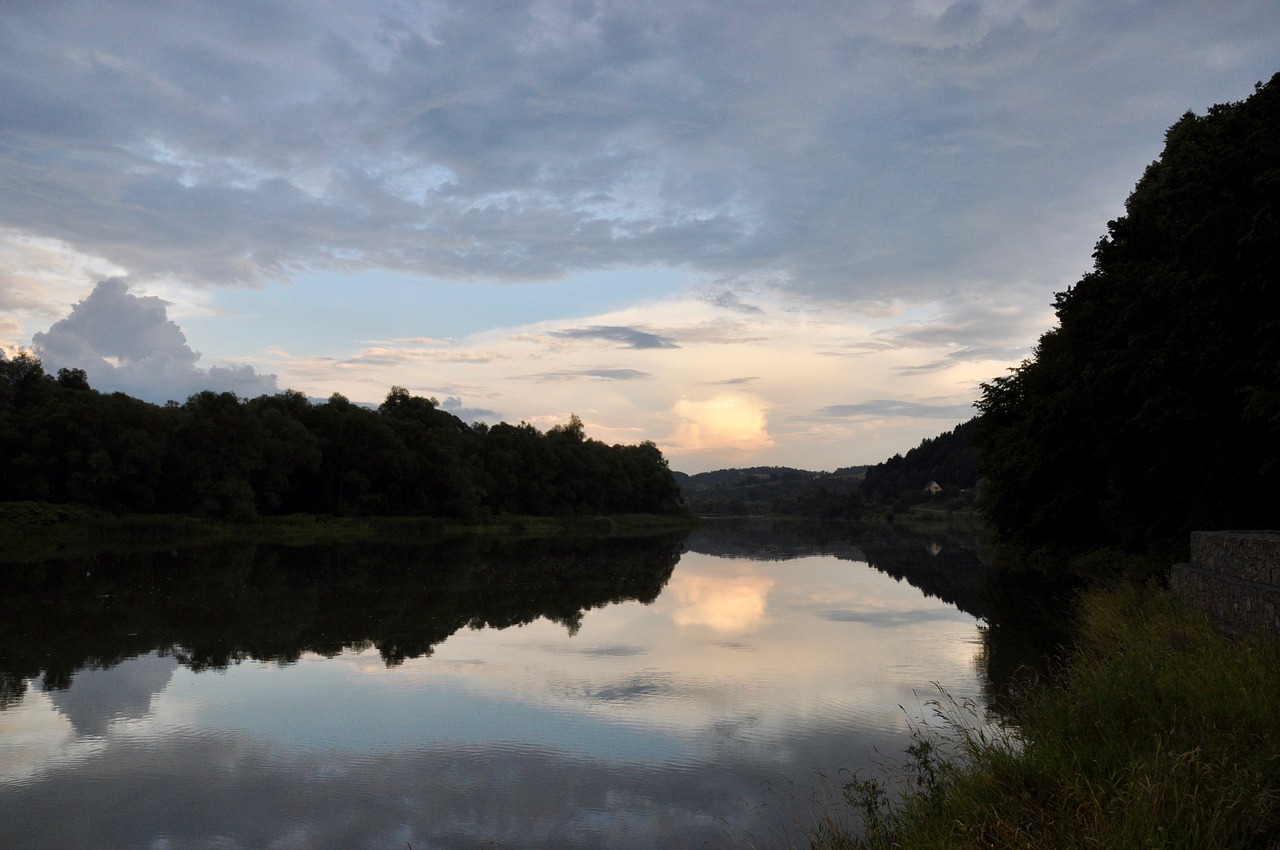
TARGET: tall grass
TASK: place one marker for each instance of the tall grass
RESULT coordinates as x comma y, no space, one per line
1159,733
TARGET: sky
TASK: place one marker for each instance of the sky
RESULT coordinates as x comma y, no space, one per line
796,234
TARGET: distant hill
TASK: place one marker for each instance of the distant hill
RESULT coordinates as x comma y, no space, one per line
761,490
948,461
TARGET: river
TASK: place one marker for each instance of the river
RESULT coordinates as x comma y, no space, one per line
708,691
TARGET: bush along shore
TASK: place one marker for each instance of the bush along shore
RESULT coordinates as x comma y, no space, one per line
1157,732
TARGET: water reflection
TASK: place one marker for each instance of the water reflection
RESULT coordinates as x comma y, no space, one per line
559,694
122,692
220,605
726,604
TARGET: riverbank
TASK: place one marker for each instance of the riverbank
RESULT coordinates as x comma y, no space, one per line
36,531
1159,732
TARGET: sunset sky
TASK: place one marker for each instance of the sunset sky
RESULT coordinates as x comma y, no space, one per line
755,233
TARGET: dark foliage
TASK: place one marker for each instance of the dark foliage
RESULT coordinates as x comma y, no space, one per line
220,455
216,606
1154,407
765,490
949,460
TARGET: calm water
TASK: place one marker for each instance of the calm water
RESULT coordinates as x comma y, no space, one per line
664,693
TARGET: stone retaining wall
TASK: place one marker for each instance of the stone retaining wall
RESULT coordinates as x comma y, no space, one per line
1235,577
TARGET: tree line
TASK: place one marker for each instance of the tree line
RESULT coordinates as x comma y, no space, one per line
949,460
220,455
1153,408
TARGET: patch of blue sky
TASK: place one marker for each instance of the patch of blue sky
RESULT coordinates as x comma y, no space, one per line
323,311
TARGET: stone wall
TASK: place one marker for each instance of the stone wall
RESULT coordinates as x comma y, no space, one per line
1235,577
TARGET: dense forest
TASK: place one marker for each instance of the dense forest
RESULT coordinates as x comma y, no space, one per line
762,490
220,455
949,461
1153,408
941,472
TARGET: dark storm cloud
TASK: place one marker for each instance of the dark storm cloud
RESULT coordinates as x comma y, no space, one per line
851,150
628,337
128,343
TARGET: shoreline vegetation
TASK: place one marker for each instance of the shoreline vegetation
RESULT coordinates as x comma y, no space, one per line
39,531
1150,411
1156,731
221,456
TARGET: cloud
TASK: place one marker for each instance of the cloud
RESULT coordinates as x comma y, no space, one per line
726,424
885,407
629,337
453,404
925,174
600,374
970,330
10,330
729,300
849,150
128,343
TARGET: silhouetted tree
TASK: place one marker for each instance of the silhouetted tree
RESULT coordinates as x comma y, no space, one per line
1153,408
221,455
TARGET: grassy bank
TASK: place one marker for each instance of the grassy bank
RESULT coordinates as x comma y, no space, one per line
34,531
1159,733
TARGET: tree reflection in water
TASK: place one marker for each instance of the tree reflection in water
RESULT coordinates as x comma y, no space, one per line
216,606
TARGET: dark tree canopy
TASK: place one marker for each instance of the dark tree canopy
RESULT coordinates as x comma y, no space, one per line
949,460
220,455
1153,408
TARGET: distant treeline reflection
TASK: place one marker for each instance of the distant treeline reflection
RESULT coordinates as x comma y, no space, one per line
1025,615
947,563
216,606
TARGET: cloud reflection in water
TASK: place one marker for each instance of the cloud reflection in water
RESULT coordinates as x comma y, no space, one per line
684,722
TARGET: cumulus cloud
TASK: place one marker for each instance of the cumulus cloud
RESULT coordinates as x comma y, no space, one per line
10,330
724,425
127,343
